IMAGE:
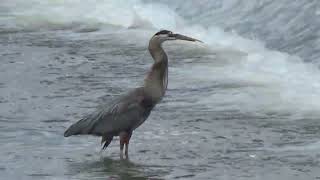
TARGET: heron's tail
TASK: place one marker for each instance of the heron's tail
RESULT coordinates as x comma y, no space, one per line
84,126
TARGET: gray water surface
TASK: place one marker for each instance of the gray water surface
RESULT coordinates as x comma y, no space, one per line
48,82
220,118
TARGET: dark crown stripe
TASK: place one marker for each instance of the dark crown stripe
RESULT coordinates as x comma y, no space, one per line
163,32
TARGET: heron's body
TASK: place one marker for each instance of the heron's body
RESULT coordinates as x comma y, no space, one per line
129,111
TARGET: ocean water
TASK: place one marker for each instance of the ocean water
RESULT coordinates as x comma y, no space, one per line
242,105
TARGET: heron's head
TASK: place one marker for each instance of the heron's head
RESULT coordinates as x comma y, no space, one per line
165,35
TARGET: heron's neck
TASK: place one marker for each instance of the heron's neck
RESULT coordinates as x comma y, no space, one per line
156,81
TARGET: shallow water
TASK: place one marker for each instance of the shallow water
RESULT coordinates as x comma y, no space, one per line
235,108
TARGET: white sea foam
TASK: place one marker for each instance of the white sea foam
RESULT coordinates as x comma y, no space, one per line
272,80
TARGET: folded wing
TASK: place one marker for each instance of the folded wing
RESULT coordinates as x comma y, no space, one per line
126,113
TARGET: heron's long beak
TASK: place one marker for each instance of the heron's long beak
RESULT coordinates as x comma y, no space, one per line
186,38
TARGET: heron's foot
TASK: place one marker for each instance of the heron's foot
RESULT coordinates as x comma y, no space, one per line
126,150
125,157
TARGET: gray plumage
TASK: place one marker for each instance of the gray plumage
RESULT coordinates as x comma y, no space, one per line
124,114
129,111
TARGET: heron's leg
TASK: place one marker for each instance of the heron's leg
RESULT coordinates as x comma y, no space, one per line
122,137
121,149
127,143
126,150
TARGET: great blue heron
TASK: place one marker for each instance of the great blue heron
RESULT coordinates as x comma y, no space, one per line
130,110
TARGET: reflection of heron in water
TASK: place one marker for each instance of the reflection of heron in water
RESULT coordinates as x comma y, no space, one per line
129,111
118,169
